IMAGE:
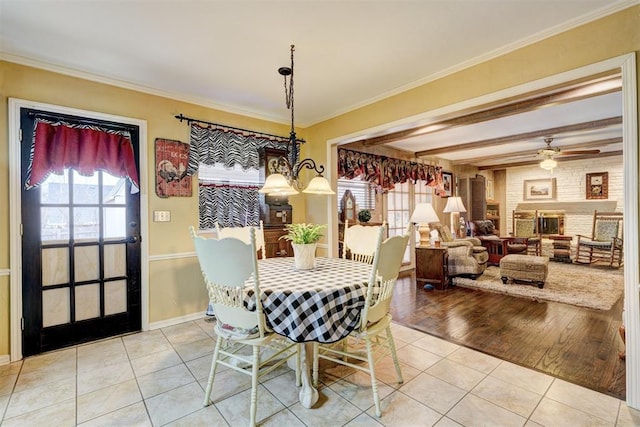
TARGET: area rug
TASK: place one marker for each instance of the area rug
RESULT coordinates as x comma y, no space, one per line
574,284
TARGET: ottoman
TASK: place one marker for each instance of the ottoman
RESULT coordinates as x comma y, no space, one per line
527,268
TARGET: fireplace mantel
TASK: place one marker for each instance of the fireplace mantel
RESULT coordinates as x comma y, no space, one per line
582,207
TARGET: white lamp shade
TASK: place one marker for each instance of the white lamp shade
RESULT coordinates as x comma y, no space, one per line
424,214
454,204
548,164
277,185
319,185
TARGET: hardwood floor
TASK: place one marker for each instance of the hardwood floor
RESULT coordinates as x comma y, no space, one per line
576,344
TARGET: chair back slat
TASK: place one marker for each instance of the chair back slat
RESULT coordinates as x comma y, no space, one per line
361,241
384,273
242,233
227,264
525,223
606,226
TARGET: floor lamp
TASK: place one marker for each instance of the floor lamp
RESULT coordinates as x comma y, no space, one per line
454,207
422,215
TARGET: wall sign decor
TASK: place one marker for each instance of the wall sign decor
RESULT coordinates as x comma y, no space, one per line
540,189
172,158
447,184
598,185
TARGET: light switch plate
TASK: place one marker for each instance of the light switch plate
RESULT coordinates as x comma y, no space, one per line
161,216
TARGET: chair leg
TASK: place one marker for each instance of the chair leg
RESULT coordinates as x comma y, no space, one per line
314,380
298,366
254,385
372,373
394,355
212,373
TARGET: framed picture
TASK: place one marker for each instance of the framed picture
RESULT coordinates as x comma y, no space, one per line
540,189
447,184
172,159
598,185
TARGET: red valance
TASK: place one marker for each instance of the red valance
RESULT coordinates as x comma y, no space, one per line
384,172
86,149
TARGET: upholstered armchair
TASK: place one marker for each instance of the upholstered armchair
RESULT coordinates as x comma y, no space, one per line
467,257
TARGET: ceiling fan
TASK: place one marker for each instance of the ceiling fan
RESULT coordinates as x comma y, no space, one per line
550,152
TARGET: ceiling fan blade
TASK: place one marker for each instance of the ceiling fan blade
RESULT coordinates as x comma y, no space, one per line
577,152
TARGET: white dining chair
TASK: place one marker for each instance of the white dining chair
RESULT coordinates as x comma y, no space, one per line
375,319
227,264
242,233
359,242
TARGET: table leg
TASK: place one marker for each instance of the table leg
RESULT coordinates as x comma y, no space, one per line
308,394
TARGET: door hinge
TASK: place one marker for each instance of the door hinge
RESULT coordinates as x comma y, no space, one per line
22,323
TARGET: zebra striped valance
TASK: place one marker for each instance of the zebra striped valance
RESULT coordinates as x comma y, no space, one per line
229,147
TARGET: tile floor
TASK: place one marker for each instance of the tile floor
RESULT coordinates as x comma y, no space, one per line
157,378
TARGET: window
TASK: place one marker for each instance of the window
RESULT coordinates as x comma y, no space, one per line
363,191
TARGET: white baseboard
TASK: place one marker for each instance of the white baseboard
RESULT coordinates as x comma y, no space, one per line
5,359
176,320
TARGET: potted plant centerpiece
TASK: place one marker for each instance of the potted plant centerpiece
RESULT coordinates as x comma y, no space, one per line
304,239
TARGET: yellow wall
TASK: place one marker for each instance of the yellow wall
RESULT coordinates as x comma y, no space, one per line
175,287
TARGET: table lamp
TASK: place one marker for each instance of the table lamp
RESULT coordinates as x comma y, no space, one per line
422,215
454,207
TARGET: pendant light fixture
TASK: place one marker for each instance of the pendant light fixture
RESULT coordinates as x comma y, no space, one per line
278,184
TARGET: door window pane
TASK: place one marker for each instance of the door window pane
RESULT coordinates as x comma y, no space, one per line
113,189
54,224
115,297
55,189
85,189
56,307
114,223
55,266
86,263
115,262
86,224
87,301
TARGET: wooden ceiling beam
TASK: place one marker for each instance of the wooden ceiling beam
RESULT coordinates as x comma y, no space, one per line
558,159
510,109
583,146
594,124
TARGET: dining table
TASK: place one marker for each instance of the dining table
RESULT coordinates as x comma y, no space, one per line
322,304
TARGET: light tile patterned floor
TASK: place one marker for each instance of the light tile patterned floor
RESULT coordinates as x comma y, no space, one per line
157,378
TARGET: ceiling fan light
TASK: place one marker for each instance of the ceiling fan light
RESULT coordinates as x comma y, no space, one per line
548,164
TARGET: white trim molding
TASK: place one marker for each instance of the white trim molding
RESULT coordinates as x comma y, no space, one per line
15,210
177,320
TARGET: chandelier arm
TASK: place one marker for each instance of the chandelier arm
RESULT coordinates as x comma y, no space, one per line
309,163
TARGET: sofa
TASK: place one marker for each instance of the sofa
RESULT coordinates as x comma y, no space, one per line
467,257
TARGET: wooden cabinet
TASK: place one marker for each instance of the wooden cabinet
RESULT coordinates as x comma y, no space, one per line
273,245
473,194
431,267
493,214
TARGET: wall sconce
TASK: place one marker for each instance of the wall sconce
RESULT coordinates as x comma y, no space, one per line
279,185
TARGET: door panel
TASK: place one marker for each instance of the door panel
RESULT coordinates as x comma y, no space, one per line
81,254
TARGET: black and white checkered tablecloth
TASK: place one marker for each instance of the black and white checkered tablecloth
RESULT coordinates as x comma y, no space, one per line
321,305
